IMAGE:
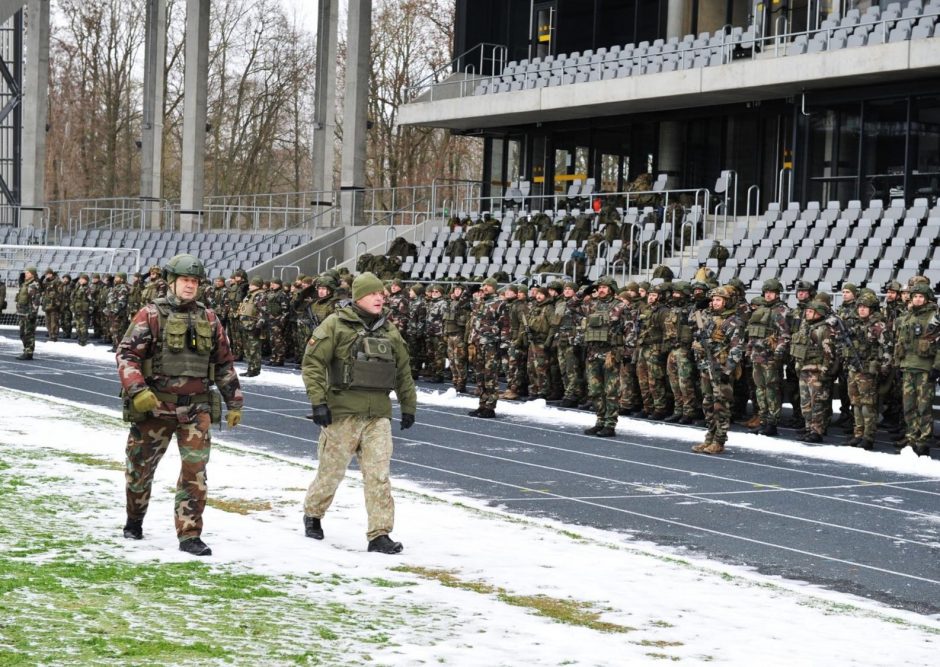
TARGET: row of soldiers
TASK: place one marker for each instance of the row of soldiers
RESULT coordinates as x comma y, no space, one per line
683,351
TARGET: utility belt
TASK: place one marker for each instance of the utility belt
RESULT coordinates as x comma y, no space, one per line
181,403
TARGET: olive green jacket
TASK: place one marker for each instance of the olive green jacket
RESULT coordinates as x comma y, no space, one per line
333,339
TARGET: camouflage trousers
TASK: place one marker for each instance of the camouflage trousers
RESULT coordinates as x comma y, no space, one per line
537,367
235,335
516,376
630,397
147,442
416,348
370,440
892,396
278,342
815,392
436,355
81,328
790,386
65,323
917,398
301,336
717,398
651,374
681,372
486,370
52,324
556,385
117,325
863,392
768,388
28,332
457,357
572,370
602,368
251,349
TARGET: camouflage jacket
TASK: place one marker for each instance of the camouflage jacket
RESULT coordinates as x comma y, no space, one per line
51,294
457,315
81,299
719,341
155,289
316,312
436,309
652,325
141,342
117,300
417,320
813,347
251,311
211,296
28,299
518,310
491,327
234,295
541,319
677,327
135,297
917,347
603,323
570,322
399,309
768,333
871,342
275,308
631,322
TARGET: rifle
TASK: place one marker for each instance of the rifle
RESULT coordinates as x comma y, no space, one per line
714,371
844,336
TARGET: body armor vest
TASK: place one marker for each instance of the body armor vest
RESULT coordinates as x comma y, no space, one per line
598,325
760,325
185,342
370,363
806,348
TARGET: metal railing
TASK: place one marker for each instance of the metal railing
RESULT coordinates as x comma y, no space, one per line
483,60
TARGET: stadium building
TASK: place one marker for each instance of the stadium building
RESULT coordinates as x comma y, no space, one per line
808,101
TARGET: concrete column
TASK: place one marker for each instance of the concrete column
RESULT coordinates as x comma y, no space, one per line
35,109
195,82
353,179
676,19
324,146
151,150
669,159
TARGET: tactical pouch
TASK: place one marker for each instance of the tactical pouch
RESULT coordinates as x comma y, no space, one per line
215,406
924,349
203,337
373,367
175,334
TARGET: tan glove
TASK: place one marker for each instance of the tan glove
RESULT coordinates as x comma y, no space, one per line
234,417
144,401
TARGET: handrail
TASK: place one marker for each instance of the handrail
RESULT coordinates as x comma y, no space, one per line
498,52
694,236
756,188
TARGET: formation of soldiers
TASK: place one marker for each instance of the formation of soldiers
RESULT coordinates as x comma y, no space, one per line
675,351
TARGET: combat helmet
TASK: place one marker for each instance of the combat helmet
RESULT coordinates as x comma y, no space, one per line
772,285
821,307
804,286
922,288
184,265
725,292
867,299
609,281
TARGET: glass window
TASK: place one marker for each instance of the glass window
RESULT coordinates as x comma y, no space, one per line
833,159
925,148
883,153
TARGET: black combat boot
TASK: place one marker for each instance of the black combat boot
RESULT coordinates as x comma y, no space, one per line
673,418
569,403
769,429
134,529
312,527
813,437
853,442
250,374
474,413
383,544
594,430
487,413
26,356
867,443
195,546
757,430
606,432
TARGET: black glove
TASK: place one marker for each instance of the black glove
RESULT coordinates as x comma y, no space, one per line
407,421
322,415
934,376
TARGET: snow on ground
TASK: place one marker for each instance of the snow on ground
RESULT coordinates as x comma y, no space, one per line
678,608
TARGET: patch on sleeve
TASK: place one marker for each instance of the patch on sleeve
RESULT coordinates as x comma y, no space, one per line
316,337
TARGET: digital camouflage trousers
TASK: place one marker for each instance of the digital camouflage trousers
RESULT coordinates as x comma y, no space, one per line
370,440
602,368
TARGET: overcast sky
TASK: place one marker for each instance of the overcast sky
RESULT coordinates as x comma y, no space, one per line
306,12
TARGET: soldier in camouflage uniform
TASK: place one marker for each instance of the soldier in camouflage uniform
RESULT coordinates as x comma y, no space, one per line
569,346
489,334
805,293
848,313
917,354
517,352
65,313
456,317
680,369
538,324
250,313
94,288
135,298
51,304
631,401
276,306
399,306
743,382
813,352
867,361
352,361
320,305
234,297
719,352
168,360
213,297
768,341
649,354
102,329
603,341
28,301
415,331
116,309
156,286
889,389
436,347
81,307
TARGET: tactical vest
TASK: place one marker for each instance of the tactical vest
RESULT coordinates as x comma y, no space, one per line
247,308
370,363
761,325
274,306
22,297
651,332
913,338
806,348
185,342
455,318
597,325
